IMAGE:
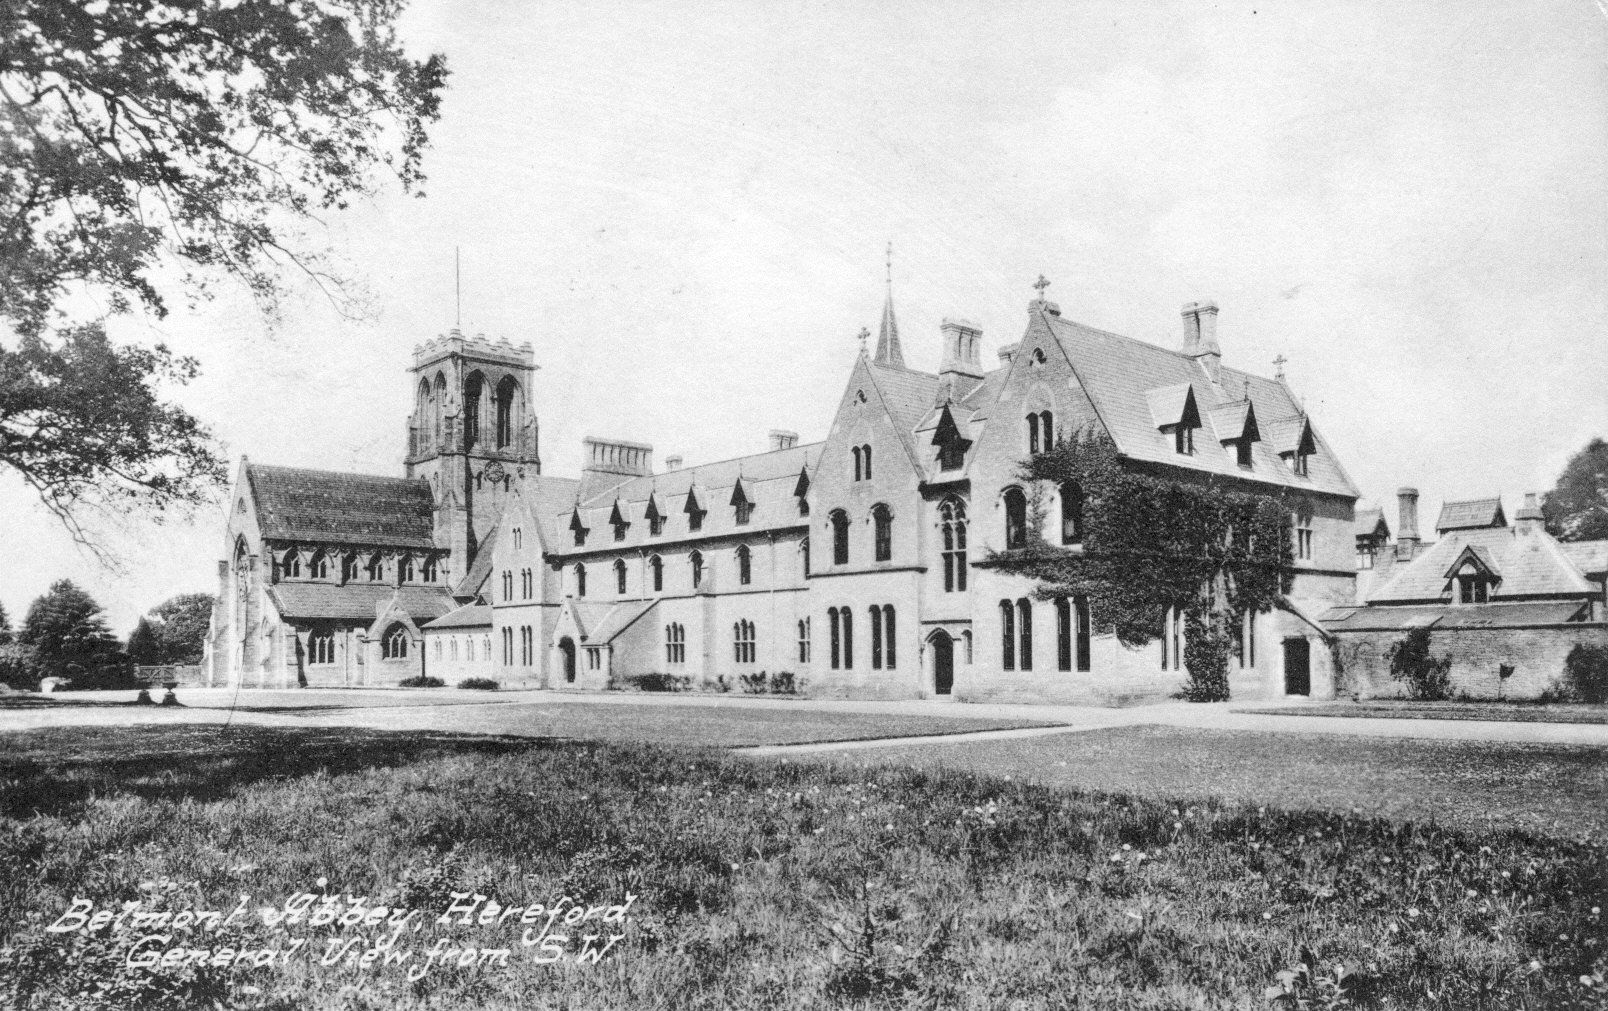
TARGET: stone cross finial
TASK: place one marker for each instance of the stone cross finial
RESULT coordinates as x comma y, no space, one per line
865,335
1278,366
1041,284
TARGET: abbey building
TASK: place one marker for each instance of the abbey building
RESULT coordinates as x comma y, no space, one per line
850,562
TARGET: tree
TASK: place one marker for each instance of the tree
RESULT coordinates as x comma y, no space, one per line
180,625
142,648
84,424
1151,544
156,144
67,633
1576,509
5,627
200,133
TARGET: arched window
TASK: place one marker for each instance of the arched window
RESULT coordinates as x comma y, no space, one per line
440,406
507,391
291,567
1007,635
675,643
952,523
745,565
349,568
966,638
404,569
1040,432
840,537
874,612
1071,513
882,520
1015,518
847,618
696,561
865,456
394,646
318,567
804,556
471,409
432,570
858,466
804,640
884,647
376,568
743,646
836,631
1084,629
1303,533
1063,634
321,646
1024,634
656,565
619,576
469,647
580,579
508,584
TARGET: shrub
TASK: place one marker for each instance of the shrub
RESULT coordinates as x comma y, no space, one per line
481,684
1585,672
754,684
1428,678
421,681
783,683
659,682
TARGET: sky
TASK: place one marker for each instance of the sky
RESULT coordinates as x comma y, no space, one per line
685,209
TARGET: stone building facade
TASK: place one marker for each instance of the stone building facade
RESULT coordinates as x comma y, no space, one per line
851,563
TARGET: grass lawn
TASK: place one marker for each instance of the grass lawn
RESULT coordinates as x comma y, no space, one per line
1550,789
712,726
1506,712
755,883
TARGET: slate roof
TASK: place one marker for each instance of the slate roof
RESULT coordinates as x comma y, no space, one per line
357,601
1590,557
1480,512
480,570
909,396
1530,564
1511,615
1369,521
296,504
769,479
467,616
1119,373
616,620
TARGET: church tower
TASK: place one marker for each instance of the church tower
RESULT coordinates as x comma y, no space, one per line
472,433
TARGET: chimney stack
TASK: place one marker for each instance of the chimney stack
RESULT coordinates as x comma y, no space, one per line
1529,518
782,440
1406,523
1008,353
962,343
672,463
1200,336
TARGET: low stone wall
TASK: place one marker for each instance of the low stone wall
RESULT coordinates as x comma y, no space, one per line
187,675
1536,655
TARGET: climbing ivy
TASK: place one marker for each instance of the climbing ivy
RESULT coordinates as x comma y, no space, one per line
1150,543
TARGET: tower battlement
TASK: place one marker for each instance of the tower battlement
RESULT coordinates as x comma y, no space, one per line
455,342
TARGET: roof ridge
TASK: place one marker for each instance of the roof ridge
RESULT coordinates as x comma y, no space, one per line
250,466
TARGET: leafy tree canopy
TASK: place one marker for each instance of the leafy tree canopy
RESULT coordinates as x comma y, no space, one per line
67,632
180,627
5,626
1576,509
84,424
139,138
142,648
1150,544
194,131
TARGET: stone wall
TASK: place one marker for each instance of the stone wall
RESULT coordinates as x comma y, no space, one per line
1536,655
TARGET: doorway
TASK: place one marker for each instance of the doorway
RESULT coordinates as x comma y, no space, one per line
943,663
566,646
1297,667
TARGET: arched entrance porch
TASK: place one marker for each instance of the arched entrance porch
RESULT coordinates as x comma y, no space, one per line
941,649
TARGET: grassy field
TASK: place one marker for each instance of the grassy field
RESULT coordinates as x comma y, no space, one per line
756,883
1555,790
1504,712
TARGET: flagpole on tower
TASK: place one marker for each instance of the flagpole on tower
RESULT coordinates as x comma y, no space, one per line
457,287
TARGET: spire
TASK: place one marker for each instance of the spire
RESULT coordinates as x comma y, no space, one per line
888,350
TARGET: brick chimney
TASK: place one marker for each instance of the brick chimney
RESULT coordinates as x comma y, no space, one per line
1406,523
1529,519
1200,336
1008,353
672,463
782,440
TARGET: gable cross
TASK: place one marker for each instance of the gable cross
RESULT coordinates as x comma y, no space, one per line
1041,284
1278,366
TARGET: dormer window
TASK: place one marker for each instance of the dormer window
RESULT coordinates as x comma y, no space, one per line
695,511
1295,444
654,517
1473,588
742,506
577,528
1473,575
801,490
618,521
951,447
1173,410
